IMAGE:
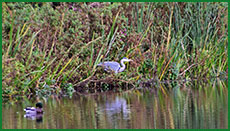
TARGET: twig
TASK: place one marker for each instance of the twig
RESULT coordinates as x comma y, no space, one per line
188,68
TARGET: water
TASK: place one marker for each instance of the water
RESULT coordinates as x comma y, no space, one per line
201,105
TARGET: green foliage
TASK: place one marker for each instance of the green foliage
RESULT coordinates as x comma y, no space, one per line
45,46
68,88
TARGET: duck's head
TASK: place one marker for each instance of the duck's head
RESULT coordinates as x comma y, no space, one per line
39,105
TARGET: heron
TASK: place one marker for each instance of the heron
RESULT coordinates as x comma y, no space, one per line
114,66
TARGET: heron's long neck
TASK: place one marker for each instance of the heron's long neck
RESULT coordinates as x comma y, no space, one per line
122,66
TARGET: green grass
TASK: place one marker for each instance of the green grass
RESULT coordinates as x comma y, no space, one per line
46,49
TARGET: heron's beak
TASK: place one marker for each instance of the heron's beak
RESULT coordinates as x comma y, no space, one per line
130,60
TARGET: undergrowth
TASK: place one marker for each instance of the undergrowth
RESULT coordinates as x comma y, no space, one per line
55,47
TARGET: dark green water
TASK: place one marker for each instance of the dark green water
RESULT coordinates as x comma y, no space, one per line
191,105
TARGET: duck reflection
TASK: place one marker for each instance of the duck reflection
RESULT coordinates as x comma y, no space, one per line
37,117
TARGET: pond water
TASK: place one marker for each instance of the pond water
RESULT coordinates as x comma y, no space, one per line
197,105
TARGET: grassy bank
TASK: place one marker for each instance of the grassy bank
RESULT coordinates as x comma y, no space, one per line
54,47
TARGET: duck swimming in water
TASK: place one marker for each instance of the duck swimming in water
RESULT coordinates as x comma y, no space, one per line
34,110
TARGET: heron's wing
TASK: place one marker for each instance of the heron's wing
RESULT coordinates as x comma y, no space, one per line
100,64
111,65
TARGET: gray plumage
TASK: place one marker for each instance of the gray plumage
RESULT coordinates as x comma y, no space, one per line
114,66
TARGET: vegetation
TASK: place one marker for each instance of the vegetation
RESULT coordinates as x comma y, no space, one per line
55,47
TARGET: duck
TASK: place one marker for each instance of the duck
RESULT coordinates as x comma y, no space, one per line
34,110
